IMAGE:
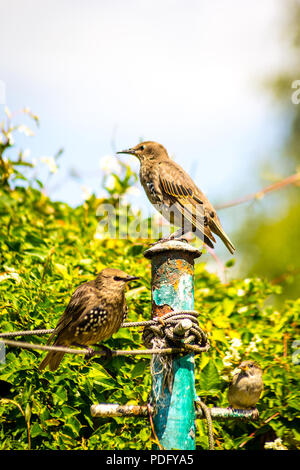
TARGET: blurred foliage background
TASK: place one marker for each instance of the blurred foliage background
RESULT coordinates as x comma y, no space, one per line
269,232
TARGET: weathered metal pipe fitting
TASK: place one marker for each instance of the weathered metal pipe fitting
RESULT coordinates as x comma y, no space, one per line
172,275
182,327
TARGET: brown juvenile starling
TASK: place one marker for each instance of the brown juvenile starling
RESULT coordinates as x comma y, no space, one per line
174,194
95,312
246,387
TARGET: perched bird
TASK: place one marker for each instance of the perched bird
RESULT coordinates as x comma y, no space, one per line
246,387
175,195
96,310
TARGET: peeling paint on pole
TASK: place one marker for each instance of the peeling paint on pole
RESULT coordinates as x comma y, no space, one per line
173,290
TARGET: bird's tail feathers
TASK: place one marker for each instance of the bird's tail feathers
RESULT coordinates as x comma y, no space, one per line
53,359
217,229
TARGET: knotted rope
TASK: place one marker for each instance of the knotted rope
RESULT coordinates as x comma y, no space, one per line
177,329
173,330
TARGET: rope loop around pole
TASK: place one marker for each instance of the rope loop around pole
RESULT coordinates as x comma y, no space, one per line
177,329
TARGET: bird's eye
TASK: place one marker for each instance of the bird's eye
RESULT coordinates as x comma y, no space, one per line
142,147
117,278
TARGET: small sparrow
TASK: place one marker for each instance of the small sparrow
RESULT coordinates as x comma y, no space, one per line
246,387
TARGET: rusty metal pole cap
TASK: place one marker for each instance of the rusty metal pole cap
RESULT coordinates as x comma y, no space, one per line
172,245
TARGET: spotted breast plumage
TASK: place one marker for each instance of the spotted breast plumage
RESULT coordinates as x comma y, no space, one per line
91,321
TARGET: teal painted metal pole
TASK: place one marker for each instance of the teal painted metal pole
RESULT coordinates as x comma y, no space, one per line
173,290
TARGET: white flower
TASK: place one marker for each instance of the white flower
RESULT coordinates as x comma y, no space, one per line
7,112
26,153
10,274
252,347
86,192
15,276
232,355
235,355
240,292
10,138
98,235
110,182
110,164
275,445
123,200
274,317
235,371
51,164
133,191
257,338
226,377
25,130
227,359
243,309
235,344
204,290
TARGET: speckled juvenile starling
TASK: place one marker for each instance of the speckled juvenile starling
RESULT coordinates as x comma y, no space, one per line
95,312
246,386
175,195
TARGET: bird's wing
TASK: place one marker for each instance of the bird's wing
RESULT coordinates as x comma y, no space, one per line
181,191
81,297
192,203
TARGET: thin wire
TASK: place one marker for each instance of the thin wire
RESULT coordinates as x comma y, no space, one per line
124,325
121,352
26,333
7,334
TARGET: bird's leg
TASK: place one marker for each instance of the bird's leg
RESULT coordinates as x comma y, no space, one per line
90,352
108,352
173,236
162,240
178,235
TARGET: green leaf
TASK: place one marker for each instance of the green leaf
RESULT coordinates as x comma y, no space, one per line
36,430
209,378
60,395
230,263
139,369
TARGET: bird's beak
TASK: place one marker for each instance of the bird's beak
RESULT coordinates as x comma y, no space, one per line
128,151
244,368
131,278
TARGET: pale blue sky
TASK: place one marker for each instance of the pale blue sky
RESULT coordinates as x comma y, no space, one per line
187,74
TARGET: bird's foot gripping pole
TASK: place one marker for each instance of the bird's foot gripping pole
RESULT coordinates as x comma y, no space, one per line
176,236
